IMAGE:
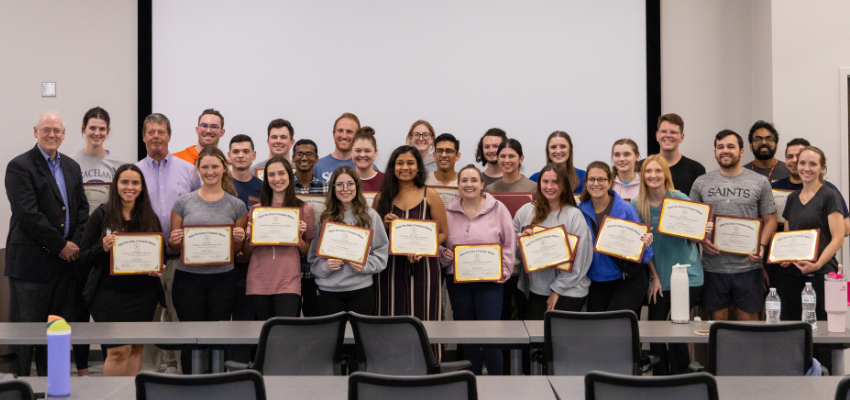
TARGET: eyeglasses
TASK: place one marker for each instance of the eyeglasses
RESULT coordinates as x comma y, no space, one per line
597,180
769,139
212,127
349,186
448,152
669,133
301,154
420,135
48,131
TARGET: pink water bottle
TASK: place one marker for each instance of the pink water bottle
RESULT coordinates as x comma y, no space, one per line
835,291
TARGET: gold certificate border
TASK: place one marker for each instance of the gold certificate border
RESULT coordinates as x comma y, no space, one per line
183,245
568,267
631,257
758,235
158,237
672,200
814,252
396,252
260,173
363,257
297,241
459,279
522,240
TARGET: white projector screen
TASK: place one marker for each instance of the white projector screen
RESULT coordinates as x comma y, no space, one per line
528,67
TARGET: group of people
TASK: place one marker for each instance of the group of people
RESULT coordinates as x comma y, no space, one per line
57,256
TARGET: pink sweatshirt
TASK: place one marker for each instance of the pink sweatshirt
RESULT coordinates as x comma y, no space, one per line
492,225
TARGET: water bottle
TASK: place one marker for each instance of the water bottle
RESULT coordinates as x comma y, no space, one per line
773,306
58,357
810,300
680,309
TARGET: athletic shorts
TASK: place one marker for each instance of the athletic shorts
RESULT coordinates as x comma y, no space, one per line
743,289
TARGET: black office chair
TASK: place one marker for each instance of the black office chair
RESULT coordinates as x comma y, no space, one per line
606,386
299,346
576,343
242,385
843,390
749,349
459,385
15,390
396,346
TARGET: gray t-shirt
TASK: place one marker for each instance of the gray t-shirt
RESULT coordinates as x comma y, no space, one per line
196,211
780,171
522,185
97,169
745,195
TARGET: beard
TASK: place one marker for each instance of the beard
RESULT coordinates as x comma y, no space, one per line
764,156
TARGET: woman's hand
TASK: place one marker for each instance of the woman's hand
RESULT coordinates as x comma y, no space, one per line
526,232
389,218
448,254
551,301
248,229
654,287
358,268
806,267
108,242
302,226
646,238
157,274
786,264
177,237
505,277
413,259
335,264
238,234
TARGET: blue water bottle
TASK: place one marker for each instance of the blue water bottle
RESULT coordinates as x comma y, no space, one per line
58,357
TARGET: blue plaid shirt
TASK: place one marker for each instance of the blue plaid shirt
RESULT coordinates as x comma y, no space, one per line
317,186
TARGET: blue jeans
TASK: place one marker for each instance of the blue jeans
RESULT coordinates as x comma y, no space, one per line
480,301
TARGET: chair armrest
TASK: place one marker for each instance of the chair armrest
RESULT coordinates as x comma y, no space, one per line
236,366
453,366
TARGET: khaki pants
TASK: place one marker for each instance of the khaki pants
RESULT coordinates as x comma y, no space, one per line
152,356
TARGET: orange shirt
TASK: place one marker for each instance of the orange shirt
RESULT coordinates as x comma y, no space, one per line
189,154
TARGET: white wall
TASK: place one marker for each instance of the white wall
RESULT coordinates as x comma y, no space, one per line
88,47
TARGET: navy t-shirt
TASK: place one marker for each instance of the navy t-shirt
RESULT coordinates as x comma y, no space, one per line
786,184
246,190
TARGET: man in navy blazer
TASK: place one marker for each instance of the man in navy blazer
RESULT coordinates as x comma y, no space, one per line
49,213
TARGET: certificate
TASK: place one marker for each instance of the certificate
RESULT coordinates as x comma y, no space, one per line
513,201
315,200
621,238
780,197
97,194
344,242
207,245
573,242
683,218
370,198
260,173
414,237
478,263
794,246
737,235
275,226
446,193
545,249
136,254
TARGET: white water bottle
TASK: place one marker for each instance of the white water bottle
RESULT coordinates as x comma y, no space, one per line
810,300
773,306
680,310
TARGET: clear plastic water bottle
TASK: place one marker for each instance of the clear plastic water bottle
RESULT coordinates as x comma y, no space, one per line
810,300
773,306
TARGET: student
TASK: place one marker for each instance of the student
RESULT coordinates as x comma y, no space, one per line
671,133
207,292
559,150
510,162
209,130
624,156
447,153
553,289
274,272
305,153
281,136
478,218
365,151
347,286
734,279
345,127
763,139
241,153
656,183
617,284
421,136
116,298
487,154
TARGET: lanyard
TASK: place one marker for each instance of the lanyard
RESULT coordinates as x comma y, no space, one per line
775,161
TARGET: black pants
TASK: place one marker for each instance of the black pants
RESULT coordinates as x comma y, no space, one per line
513,301
81,314
537,305
33,302
619,294
792,306
276,305
243,307
361,301
309,297
674,358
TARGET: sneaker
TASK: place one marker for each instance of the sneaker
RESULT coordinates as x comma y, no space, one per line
171,370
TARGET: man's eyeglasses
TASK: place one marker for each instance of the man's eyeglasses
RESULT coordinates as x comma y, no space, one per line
47,131
212,127
768,139
597,180
448,152
301,154
349,186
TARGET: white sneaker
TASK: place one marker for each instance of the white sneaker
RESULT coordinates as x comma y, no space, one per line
171,370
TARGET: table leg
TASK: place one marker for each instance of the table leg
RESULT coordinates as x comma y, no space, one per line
196,361
516,361
217,361
837,362
536,367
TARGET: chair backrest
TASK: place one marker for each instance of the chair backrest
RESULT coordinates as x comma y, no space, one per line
242,385
458,385
602,385
301,346
577,343
783,349
392,345
15,390
843,390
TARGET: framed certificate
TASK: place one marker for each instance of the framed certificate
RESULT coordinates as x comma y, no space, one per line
136,254
414,237
513,201
573,243
737,235
447,193
260,173
97,194
621,238
315,200
275,226
207,245
794,246
544,249
344,242
370,198
780,197
478,263
683,218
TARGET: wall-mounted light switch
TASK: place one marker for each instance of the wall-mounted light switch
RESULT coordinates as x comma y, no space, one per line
48,89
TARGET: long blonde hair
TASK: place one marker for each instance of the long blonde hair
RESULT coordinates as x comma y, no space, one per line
571,170
643,196
226,177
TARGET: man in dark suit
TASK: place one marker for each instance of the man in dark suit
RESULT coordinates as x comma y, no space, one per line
49,213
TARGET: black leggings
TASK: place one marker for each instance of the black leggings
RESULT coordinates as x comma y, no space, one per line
537,305
361,301
677,359
276,305
619,294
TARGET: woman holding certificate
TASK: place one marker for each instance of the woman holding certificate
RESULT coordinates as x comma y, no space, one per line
208,227
274,272
132,297
346,285
656,183
554,205
363,153
479,226
617,283
559,150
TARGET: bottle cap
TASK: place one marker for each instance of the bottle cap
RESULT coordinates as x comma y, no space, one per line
832,275
57,325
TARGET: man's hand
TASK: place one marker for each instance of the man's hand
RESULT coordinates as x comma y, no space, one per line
70,252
